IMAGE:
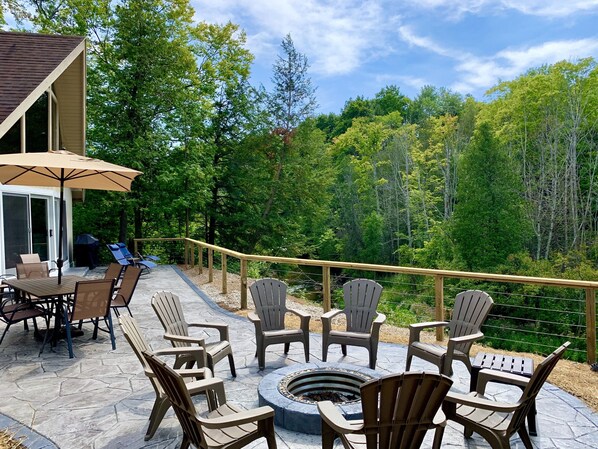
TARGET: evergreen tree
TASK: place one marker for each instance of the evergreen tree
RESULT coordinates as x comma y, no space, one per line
489,223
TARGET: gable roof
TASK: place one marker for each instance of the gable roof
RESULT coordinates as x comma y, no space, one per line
29,64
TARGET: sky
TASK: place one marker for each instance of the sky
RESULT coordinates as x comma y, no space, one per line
356,48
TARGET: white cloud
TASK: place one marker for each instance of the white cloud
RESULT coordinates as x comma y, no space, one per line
336,36
546,8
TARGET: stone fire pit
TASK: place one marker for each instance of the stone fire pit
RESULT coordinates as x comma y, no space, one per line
293,391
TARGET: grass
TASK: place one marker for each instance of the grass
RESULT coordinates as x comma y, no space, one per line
8,441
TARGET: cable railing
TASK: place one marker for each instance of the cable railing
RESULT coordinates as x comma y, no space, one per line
530,314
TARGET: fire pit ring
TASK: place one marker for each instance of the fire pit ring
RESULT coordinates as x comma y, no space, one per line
293,391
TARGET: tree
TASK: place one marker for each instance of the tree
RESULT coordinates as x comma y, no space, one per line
489,223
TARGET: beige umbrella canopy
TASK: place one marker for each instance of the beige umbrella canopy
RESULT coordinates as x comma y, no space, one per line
64,169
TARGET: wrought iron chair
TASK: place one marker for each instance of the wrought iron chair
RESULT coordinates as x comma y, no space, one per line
123,295
269,296
133,335
227,427
398,410
170,313
362,321
496,421
470,312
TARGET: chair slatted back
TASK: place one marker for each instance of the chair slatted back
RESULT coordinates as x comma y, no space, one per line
92,299
398,409
269,297
535,384
132,333
470,311
174,387
361,298
168,307
129,283
35,270
113,272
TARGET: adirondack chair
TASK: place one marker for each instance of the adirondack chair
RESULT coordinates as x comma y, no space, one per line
170,313
227,427
269,296
496,421
203,380
470,312
398,410
362,321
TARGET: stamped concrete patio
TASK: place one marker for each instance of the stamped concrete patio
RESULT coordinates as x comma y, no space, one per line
101,398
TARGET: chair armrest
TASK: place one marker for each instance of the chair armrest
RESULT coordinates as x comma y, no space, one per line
467,338
184,339
214,384
415,329
439,419
331,314
333,417
237,419
477,402
255,319
221,327
487,375
197,353
303,316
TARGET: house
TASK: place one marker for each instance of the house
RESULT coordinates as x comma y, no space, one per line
42,107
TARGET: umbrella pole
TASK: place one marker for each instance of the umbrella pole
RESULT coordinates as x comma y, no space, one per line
59,261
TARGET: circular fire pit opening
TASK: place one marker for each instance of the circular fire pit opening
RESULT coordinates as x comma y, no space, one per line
293,392
340,386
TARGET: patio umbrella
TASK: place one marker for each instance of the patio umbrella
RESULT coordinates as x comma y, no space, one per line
64,169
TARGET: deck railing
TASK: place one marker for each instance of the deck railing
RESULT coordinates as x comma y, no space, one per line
584,307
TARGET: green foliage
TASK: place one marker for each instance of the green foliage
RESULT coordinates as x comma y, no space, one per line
488,220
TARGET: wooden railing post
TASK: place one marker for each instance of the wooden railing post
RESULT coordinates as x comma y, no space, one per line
186,254
135,247
223,271
243,284
200,259
210,264
192,256
591,325
439,297
326,300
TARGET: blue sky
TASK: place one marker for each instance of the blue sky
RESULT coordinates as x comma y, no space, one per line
357,47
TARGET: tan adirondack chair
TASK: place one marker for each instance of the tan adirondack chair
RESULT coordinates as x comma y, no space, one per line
398,410
498,421
203,385
269,296
170,313
470,312
363,322
227,427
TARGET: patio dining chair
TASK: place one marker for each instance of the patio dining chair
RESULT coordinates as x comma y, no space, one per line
114,271
30,258
133,335
398,410
90,303
169,310
123,295
270,296
33,270
363,323
226,427
469,313
497,421
13,311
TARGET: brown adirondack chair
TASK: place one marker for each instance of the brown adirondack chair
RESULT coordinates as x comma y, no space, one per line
203,385
496,421
363,322
170,313
122,297
398,410
269,296
227,427
470,312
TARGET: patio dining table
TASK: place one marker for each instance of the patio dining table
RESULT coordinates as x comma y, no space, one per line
48,290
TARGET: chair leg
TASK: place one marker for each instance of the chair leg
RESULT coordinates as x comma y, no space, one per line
287,346
328,436
111,330
306,349
129,310
527,442
231,362
373,357
269,433
159,409
4,333
438,434
344,350
47,334
69,339
408,363
324,347
185,443
261,357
